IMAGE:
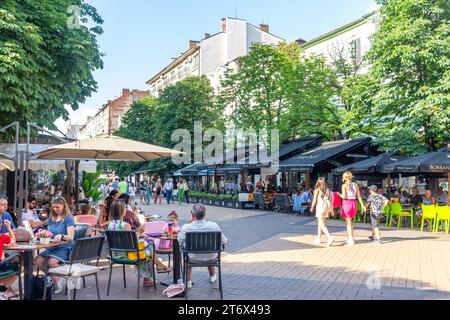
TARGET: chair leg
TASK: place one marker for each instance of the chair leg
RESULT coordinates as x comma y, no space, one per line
109,279
154,274
96,284
75,293
124,278
45,286
138,279
399,222
220,282
421,225
84,282
20,284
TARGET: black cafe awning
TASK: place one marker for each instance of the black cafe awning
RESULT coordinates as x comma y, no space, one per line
306,161
432,162
371,165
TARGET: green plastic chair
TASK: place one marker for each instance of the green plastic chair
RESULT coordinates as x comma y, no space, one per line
387,213
443,214
428,212
397,210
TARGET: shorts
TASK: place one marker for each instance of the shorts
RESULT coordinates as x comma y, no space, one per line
60,253
375,221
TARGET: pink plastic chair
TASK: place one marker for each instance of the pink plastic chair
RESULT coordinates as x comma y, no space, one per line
92,220
87,219
156,227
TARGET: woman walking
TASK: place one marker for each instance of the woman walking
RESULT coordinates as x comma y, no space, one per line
158,191
181,190
350,192
322,204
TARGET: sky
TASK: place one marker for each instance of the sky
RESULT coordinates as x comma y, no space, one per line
141,36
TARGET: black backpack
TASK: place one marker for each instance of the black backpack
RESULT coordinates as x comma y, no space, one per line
38,288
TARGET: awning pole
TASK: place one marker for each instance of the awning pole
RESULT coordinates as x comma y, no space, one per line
448,184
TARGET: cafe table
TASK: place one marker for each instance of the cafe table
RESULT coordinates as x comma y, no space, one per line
27,250
176,259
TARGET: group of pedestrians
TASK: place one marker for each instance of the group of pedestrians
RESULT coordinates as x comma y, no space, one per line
322,205
156,189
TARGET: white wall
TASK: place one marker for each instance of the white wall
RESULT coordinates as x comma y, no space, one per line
363,32
213,53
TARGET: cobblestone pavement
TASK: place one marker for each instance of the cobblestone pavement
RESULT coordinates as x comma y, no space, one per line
272,256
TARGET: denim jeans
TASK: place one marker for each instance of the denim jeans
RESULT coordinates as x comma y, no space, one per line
169,196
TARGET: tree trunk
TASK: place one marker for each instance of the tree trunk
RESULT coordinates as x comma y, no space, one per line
69,181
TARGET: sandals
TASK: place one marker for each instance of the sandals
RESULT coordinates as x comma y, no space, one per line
164,270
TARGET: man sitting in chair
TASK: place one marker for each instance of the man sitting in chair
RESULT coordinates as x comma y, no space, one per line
196,224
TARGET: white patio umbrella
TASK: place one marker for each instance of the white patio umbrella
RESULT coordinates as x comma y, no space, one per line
109,148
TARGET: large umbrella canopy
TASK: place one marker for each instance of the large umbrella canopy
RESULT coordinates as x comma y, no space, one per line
371,165
432,162
110,148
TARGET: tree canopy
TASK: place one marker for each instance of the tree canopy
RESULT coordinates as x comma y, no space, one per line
46,58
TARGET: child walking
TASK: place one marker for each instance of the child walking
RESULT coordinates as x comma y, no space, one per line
376,203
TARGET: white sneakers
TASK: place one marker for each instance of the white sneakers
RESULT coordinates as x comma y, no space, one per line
317,241
350,242
330,242
212,279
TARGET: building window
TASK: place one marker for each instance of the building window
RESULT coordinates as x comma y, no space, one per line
196,61
355,50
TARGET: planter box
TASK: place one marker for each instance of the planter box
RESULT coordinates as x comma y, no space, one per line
217,202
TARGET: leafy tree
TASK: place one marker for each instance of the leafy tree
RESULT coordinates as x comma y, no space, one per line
180,105
255,95
137,124
410,73
279,88
45,62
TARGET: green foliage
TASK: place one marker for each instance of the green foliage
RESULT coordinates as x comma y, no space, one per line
212,196
154,120
410,72
91,183
44,65
274,87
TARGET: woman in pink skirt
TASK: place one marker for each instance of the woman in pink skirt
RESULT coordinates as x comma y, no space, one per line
350,192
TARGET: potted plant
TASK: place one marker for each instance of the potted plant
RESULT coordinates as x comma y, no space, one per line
43,236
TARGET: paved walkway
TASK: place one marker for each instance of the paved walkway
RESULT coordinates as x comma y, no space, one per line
271,256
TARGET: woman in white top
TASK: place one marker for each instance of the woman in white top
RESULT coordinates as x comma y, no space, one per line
322,204
350,192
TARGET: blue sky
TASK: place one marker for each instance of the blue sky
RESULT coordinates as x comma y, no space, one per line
141,36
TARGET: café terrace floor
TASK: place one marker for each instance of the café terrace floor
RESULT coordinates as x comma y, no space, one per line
271,256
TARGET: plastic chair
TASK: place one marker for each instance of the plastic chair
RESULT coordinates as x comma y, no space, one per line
397,210
84,251
428,212
201,243
359,213
387,213
126,242
155,227
443,214
87,219
9,273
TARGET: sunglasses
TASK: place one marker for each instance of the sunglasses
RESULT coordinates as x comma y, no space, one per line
58,200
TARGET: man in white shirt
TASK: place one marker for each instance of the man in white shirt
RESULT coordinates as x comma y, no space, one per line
198,223
29,214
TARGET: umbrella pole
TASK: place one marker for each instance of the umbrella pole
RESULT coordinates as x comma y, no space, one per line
77,188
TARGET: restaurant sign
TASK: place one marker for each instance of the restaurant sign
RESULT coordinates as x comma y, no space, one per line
439,168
